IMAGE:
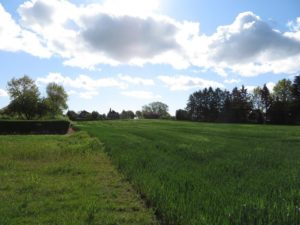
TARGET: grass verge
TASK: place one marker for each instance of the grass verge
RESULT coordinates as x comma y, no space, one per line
64,180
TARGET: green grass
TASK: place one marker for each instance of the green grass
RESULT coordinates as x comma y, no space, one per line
64,180
201,173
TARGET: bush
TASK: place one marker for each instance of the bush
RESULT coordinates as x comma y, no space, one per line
182,115
72,115
150,115
34,127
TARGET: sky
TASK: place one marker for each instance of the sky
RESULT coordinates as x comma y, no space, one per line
123,54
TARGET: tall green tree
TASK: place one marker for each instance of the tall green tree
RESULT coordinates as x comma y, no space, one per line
95,115
113,115
240,105
295,109
296,88
182,115
127,114
56,99
281,107
24,95
155,110
207,105
139,114
191,107
266,99
283,91
256,99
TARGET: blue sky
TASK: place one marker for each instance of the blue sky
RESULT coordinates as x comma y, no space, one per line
123,54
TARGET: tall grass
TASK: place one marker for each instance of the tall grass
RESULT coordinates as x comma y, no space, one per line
65,180
201,173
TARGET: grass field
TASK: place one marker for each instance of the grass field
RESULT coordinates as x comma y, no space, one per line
201,173
62,180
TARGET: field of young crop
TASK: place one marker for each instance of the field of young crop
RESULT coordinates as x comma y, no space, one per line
201,173
64,180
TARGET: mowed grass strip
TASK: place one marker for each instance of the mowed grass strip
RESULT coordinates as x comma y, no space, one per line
64,180
202,173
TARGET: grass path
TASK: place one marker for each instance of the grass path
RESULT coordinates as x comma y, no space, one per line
64,180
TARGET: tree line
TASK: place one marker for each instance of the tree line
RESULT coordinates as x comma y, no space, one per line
27,103
281,105
278,106
154,110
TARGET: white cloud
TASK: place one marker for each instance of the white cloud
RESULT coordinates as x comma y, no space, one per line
133,32
294,25
232,81
136,80
182,82
124,38
141,95
82,82
83,94
111,33
88,94
13,38
9,31
41,15
89,61
249,46
250,39
220,71
3,93
37,12
88,87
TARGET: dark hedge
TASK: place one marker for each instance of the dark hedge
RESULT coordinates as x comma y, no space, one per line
34,127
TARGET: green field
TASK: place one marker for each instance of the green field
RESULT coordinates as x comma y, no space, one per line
201,173
64,180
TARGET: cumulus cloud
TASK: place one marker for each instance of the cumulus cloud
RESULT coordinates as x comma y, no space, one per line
124,38
9,31
88,94
83,94
88,87
141,95
294,25
13,38
90,35
94,34
249,46
249,38
3,93
232,81
82,82
136,80
37,12
182,82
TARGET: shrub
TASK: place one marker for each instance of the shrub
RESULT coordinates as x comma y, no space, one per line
182,115
34,127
